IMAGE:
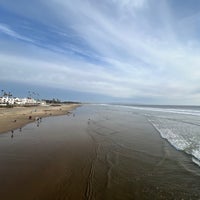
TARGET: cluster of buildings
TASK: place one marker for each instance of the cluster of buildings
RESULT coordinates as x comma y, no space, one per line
7,100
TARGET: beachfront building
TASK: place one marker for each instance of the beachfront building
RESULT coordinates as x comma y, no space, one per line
25,101
6,100
42,103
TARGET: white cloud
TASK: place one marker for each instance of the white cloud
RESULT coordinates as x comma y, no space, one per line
130,3
8,31
57,75
140,51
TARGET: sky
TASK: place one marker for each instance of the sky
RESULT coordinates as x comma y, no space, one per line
134,51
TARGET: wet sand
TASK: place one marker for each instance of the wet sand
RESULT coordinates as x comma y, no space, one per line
13,118
100,153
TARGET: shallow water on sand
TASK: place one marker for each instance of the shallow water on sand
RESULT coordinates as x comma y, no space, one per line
103,152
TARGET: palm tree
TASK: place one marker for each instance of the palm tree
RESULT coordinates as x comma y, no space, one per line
29,94
5,94
34,95
9,94
37,95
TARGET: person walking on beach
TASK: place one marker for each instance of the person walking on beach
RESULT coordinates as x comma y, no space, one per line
12,134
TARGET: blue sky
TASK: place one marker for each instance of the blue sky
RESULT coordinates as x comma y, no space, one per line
138,51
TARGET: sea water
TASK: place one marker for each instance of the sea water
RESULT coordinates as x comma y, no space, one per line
180,125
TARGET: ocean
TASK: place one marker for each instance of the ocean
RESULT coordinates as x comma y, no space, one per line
180,125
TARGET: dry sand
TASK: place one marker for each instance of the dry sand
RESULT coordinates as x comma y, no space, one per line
13,118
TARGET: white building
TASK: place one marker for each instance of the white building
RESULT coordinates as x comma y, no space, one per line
25,101
28,101
7,100
18,101
42,103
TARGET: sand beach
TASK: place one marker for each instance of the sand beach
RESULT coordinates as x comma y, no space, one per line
16,117
98,152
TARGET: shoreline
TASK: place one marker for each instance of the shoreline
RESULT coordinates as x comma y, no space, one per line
17,117
99,153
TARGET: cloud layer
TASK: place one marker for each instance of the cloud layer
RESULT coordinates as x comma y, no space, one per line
127,49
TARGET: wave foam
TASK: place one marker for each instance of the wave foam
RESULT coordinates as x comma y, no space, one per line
182,136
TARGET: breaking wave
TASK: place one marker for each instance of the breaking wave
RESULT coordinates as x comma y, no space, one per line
181,127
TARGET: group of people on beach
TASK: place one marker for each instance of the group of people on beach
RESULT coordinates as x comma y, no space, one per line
38,120
12,132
